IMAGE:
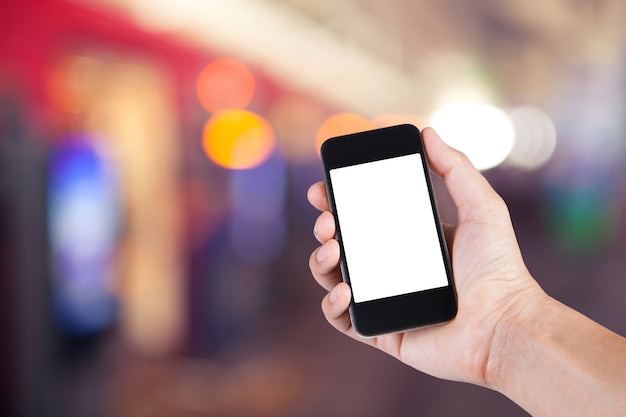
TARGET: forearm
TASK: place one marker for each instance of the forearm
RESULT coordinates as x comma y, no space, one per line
553,361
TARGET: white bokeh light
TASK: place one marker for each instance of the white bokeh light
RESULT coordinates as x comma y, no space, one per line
483,132
535,138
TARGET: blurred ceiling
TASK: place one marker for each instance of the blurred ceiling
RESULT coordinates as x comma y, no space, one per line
378,57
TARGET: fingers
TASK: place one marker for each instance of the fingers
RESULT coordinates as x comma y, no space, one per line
335,307
472,194
324,266
324,263
324,228
317,196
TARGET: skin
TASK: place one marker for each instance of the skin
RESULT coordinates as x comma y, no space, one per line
508,334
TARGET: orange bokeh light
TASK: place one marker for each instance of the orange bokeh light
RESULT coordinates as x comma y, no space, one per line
225,84
238,139
385,120
341,124
72,83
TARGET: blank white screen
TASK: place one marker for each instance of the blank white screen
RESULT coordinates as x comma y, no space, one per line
387,228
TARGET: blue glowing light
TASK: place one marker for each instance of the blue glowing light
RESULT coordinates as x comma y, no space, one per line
83,224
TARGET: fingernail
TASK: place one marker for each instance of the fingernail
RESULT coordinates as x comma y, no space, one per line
334,295
321,254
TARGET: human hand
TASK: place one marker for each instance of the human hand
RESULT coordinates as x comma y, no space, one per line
491,279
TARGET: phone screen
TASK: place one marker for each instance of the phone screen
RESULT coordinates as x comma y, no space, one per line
388,228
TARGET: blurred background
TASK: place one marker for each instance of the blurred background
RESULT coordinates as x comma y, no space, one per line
154,162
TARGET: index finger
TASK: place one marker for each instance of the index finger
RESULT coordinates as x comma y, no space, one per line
317,196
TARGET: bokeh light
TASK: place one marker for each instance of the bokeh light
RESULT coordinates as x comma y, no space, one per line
225,84
584,182
484,133
73,82
386,120
295,119
84,221
341,124
535,138
238,139
582,217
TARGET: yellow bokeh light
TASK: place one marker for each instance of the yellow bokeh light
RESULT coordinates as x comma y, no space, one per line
238,139
341,124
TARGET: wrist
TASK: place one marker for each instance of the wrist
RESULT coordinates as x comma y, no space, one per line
509,333
552,360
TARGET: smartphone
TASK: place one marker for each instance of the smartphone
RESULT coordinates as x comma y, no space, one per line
393,251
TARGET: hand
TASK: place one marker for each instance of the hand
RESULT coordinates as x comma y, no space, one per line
491,279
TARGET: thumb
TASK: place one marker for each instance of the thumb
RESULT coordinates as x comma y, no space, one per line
474,198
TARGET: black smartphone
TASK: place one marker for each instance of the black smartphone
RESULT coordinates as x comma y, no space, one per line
393,250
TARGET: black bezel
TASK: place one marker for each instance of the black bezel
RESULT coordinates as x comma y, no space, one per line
406,311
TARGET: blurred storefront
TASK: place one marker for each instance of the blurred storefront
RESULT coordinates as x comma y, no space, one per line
115,219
